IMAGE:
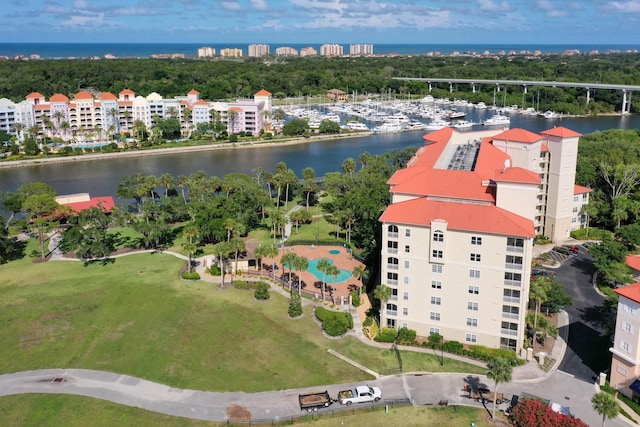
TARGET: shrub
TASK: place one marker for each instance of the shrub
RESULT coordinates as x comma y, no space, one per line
214,270
233,138
334,323
262,291
243,285
532,413
295,305
386,335
406,336
486,353
190,276
435,338
367,322
453,347
355,298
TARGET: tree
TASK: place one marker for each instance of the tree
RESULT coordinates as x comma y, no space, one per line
605,405
95,241
329,126
538,293
295,127
359,273
192,234
295,305
288,260
308,175
182,182
40,209
133,187
166,180
237,245
267,251
222,250
12,203
382,293
324,266
500,372
300,264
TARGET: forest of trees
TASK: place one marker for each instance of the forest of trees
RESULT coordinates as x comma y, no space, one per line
222,79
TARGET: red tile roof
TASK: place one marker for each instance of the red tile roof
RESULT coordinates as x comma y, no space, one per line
127,92
58,97
35,95
106,203
579,189
517,175
193,92
518,135
459,216
201,102
561,132
262,92
424,181
235,108
630,291
83,95
107,96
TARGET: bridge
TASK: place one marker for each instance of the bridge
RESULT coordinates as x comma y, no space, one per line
627,90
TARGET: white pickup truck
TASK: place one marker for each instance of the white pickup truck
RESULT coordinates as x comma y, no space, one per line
359,394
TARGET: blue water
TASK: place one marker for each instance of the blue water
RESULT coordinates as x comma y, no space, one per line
313,269
144,50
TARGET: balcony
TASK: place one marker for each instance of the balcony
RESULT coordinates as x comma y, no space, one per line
515,300
517,249
391,312
393,298
392,266
392,250
509,332
513,266
512,282
393,282
509,316
392,235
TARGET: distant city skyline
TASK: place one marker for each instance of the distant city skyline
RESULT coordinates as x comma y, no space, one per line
322,21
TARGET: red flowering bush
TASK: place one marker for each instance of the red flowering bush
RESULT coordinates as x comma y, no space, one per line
531,413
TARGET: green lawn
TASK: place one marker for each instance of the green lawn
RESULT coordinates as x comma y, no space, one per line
42,410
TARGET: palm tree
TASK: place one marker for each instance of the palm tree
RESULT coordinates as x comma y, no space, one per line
538,293
65,126
359,273
271,251
139,129
500,372
308,175
236,245
222,250
382,293
18,127
115,118
232,117
324,266
191,233
58,115
182,182
300,264
288,260
166,180
605,405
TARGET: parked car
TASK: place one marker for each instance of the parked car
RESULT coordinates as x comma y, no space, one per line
544,273
359,394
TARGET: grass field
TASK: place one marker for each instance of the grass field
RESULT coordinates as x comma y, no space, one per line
137,317
35,410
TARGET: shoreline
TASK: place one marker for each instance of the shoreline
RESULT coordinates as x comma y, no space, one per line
173,150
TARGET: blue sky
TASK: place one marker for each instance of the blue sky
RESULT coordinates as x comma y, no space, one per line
323,21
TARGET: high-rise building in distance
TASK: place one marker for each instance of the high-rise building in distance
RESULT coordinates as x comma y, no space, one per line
286,51
331,50
308,51
206,52
257,50
231,53
361,49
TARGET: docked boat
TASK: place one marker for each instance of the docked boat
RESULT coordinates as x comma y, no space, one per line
497,120
415,125
454,114
462,124
549,114
357,126
481,105
436,124
388,127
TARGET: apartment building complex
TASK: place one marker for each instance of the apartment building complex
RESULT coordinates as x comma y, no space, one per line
331,50
231,53
206,52
457,237
361,49
625,361
308,51
97,114
258,50
286,51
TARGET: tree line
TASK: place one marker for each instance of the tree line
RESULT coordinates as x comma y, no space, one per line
220,79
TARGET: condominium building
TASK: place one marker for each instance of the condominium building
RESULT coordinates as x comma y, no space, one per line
231,53
257,50
308,51
286,51
458,234
88,116
206,52
331,50
625,361
361,49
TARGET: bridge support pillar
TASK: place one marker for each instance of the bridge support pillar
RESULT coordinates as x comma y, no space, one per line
450,87
429,87
588,95
525,89
473,88
626,103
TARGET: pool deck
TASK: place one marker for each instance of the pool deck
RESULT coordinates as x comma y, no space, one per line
343,260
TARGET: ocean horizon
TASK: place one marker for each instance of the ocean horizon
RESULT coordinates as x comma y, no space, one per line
145,50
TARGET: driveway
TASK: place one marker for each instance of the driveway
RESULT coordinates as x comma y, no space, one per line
588,347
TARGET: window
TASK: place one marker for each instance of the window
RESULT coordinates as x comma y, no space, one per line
510,311
476,240
407,248
393,230
575,198
512,278
434,316
392,263
472,322
575,209
509,328
627,327
508,343
391,323
514,261
405,295
405,325
406,264
474,274
436,300
438,236
471,338
394,294
472,306
405,311
436,284
436,268
434,331
392,278
475,257
515,242
392,247
436,253
475,290
511,295
406,280
625,346
407,232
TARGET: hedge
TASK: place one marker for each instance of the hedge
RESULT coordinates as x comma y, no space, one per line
386,335
334,323
190,276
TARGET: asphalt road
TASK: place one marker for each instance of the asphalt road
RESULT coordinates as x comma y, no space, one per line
588,347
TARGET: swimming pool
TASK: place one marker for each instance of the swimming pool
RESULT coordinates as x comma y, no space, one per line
313,269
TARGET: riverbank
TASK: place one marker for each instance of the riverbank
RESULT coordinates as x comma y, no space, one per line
185,149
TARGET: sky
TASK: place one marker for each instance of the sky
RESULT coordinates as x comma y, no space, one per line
322,21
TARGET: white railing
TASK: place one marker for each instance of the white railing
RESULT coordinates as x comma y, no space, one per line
512,282
511,299
513,266
509,315
508,332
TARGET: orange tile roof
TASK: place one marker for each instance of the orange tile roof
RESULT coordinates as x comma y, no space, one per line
441,183
125,103
561,132
106,203
262,92
235,108
83,95
517,175
183,102
459,216
107,96
544,148
518,135
201,102
630,291
58,97
633,261
193,92
127,92
579,189
42,107
35,95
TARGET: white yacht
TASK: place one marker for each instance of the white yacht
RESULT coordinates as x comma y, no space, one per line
388,127
436,124
549,114
357,126
497,120
415,125
481,105
462,124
